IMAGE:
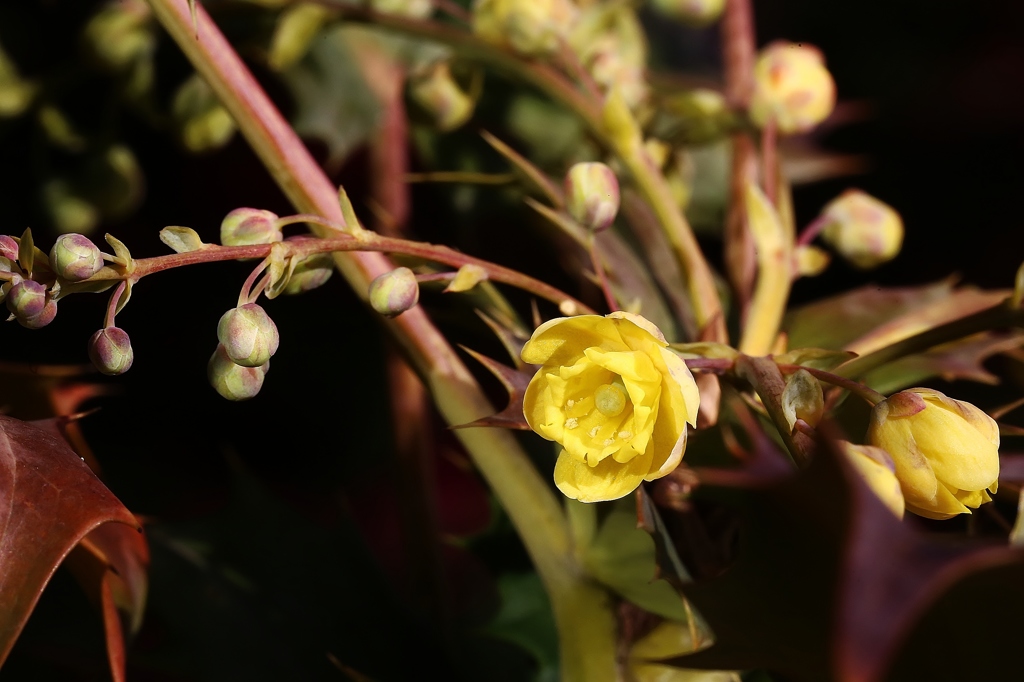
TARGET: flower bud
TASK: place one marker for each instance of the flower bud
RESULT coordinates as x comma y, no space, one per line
119,34
441,97
248,336
247,226
392,293
74,257
862,229
592,195
802,399
231,380
414,9
110,350
43,318
792,87
810,260
876,467
8,248
532,27
310,273
946,452
692,12
26,299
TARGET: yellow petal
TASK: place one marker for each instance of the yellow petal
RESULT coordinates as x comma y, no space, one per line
682,378
608,480
960,455
561,340
638,321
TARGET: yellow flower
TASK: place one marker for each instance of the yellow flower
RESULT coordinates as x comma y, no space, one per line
946,451
614,397
876,467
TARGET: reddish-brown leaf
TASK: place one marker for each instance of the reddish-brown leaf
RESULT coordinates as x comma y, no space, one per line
49,501
515,382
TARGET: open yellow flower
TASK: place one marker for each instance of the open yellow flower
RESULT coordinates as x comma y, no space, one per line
614,397
946,451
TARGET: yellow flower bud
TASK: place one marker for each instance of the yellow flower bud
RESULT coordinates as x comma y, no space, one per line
862,229
441,97
532,27
592,195
876,467
616,399
791,86
692,12
946,452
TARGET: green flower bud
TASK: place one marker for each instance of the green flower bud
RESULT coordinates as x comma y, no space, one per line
119,34
110,350
532,27
74,257
248,336
592,195
247,226
310,272
231,380
392,293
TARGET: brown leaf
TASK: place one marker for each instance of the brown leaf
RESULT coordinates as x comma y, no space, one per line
49,501
515,382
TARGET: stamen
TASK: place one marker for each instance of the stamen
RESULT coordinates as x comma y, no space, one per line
625,435
572,423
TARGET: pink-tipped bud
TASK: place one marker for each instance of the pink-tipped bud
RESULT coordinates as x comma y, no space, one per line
863,230
26,299
592,195
231,380
248,335
75,258
8,248
247,226
110,350
392,293
791,87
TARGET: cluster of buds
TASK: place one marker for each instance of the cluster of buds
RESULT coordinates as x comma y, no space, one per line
610,43
248,338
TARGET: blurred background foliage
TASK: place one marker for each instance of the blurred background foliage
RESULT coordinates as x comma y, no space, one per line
284,541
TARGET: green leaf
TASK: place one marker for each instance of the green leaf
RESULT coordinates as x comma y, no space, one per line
525,619
333,102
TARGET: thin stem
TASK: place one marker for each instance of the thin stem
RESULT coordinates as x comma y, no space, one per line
871,396
602,277
712,365
812,230
769,160
115,298
365,242
244,296
465,177
454,10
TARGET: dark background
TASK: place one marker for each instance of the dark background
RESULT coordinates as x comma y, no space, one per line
943,87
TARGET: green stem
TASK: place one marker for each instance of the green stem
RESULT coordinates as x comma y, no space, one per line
585,622
766,378
996,317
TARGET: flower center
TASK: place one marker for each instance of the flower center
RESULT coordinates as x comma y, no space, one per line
610,399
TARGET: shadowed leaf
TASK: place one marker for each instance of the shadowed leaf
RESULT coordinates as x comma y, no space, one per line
49,501
819,548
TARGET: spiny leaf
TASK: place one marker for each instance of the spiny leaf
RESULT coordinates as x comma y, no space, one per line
49,501
515,382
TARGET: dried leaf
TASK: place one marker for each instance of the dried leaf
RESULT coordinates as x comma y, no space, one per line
52,500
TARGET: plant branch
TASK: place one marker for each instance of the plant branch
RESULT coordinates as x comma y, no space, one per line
766,378
585,622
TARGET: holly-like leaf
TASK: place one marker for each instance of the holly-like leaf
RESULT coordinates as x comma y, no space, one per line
829,585
515,382
49,501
